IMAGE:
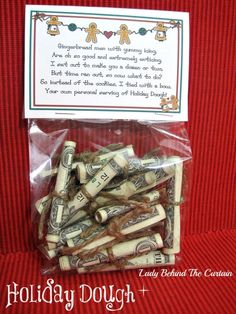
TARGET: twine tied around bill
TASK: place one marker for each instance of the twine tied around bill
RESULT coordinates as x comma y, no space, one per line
113,229
119,263
90,157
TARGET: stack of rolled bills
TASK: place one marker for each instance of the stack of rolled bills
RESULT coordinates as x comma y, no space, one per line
111,210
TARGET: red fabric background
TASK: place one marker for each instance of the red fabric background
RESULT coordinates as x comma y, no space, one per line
211,218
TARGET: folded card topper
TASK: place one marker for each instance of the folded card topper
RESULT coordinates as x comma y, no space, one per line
109,63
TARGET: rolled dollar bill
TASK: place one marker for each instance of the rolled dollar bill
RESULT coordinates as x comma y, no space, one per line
43,207
79,215
86,171
51,253
107,212
143,221
172,230
52,172
65,167
155,258
163,172
152,258
74,230
48,173
174,185
140,183
126,152
78,202
172,223
129,187
114,167
114,183
59,212
152,196
58,215
140,165
137,246
43,203
79,241
51,245
132,247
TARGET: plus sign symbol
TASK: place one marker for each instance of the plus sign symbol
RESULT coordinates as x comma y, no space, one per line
143,290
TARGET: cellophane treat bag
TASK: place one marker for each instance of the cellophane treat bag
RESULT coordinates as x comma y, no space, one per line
106,97
108,195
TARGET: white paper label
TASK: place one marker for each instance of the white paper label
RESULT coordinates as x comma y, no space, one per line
109,63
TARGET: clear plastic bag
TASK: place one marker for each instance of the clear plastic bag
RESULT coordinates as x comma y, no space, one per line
108,195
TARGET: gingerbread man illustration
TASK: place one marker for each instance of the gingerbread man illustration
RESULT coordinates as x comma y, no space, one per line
164,105
174,102
124,34
92,33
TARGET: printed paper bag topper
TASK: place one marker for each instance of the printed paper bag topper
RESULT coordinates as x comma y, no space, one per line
53,28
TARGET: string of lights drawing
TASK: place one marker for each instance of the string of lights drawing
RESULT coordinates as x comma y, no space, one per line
53,29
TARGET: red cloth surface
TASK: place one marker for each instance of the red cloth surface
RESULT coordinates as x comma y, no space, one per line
211,218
